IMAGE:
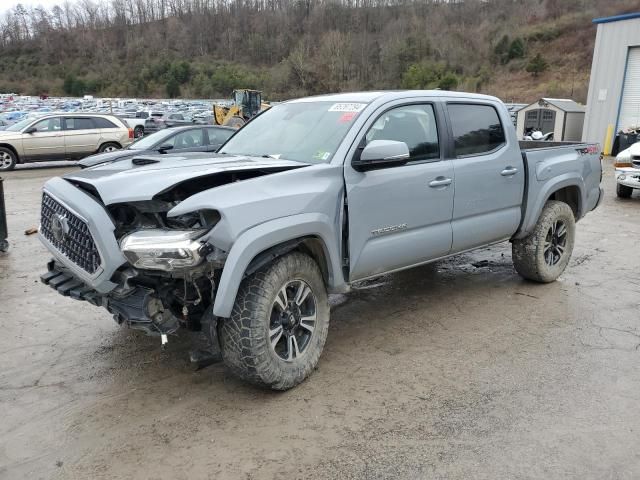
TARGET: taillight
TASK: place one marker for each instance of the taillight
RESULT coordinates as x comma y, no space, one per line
131,135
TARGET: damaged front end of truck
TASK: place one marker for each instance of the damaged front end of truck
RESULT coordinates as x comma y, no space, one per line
117,241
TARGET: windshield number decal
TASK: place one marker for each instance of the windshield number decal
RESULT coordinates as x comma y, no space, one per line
347,107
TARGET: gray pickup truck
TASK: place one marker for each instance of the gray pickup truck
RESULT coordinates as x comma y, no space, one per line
243,246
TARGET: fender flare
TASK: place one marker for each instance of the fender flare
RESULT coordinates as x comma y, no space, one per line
534,209
256,240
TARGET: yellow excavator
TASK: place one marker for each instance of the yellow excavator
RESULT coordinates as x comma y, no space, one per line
246,105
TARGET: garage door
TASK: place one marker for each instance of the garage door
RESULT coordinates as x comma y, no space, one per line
630,105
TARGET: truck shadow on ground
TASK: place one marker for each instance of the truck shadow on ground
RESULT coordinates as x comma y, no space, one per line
424,295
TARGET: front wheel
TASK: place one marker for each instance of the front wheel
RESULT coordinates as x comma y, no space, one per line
622,191
279,324
544,254
8,159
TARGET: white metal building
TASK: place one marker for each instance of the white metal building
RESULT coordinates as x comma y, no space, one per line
613,102
561,116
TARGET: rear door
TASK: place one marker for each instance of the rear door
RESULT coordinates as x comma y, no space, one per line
46,142
489,175
401,216
81,137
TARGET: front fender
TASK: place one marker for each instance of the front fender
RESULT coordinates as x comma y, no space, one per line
269,234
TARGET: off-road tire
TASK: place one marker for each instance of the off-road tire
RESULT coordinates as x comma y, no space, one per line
109,147
8,159
622,191
244,338
529,253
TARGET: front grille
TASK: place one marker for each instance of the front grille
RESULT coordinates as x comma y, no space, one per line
75,242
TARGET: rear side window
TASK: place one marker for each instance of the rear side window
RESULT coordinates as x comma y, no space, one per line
476,129
79,124
103,123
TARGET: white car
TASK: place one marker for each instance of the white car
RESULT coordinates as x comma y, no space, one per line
628,171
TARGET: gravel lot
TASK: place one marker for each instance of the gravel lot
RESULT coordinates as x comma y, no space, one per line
447,371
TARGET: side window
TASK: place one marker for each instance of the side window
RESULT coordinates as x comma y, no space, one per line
218,135
100,122
48,125
476,128
414,125
188,139
82,123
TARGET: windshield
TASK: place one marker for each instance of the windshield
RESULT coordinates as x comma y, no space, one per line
16,127
307,132
149,141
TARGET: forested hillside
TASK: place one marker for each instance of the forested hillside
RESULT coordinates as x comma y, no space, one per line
518,50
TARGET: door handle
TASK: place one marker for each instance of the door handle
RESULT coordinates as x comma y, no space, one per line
440,182
507,172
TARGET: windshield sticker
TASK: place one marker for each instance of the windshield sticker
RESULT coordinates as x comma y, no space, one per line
347,107
322,155
347,117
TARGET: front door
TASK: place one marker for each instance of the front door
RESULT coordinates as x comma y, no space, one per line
46,142
489,176
400,216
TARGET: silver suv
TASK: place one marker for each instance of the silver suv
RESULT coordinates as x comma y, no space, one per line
69,136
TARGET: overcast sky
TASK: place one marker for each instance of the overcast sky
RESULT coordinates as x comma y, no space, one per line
8,4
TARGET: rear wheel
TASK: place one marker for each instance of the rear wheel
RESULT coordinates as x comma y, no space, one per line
622,191
279,324
108,147
8,159
545,253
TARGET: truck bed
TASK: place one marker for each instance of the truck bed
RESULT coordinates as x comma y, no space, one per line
535,145
550,166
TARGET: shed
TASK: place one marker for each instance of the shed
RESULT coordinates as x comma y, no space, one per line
562,116
613,101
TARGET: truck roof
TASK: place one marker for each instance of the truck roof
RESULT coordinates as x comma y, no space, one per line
388,95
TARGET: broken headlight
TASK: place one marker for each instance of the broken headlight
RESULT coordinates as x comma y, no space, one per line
168,250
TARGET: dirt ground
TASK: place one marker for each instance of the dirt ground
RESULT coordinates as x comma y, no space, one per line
452,370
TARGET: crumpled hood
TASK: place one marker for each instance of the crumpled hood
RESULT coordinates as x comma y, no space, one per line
130,180
105,157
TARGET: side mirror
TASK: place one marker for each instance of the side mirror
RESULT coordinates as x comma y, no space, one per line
164,148
381,154
31,130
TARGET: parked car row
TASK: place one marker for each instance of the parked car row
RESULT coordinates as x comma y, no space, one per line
143,116
74,136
